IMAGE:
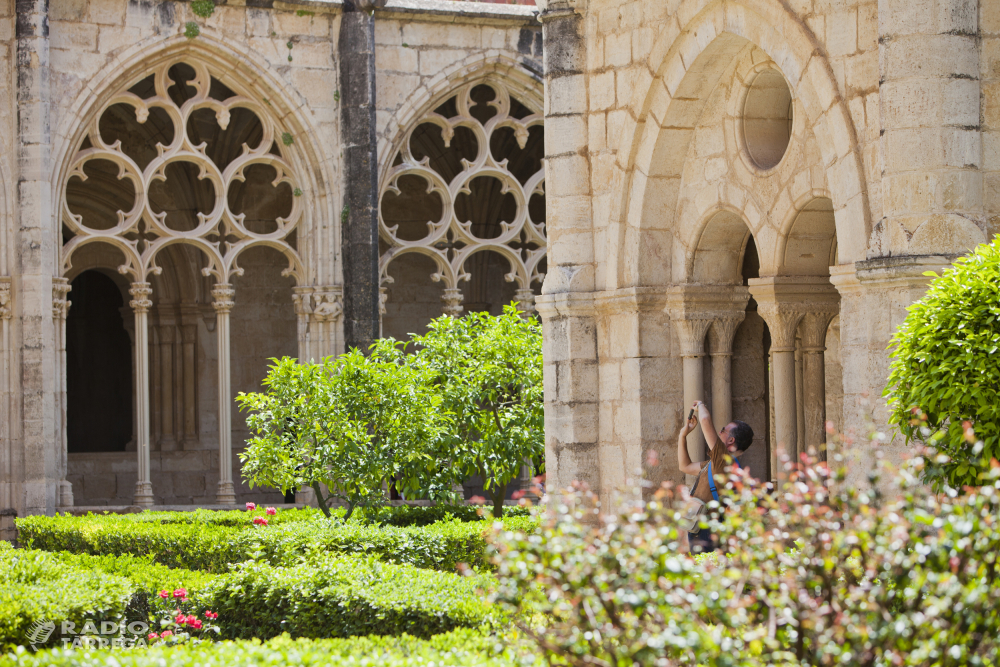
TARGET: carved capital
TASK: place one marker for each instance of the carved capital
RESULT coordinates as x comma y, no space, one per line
302,300
692,336
525,301
140,293
695,308
721,333
784,301
6,309
222,297
60,304
813,329
383,296
452,302
327,303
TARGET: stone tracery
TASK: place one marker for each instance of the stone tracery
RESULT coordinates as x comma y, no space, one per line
472,158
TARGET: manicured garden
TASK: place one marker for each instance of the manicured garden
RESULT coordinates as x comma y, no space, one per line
901,570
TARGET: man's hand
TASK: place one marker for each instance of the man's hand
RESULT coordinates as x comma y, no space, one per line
691,425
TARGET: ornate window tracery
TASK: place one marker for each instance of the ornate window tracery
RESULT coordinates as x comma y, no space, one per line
467,181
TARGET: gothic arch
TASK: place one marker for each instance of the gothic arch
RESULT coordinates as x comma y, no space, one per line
694,59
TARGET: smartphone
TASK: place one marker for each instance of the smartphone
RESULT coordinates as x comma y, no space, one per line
691,414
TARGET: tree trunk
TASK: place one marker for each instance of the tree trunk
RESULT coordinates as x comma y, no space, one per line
321,500
499,493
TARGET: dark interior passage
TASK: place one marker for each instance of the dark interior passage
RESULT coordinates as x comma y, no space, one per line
98,367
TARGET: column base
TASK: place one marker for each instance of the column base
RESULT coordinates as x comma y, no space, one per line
65,494
143,494
225,495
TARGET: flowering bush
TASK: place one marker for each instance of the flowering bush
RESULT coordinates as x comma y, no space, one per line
180,625
816,574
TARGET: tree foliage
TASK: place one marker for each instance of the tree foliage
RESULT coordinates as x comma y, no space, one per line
349,424
946,368
488,371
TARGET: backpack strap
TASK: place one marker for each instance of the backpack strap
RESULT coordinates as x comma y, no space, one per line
711,480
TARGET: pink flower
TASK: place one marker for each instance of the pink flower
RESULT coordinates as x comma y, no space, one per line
260,521
180,619
477,500
167,633
153,635
180,593
271,511
211,615
196,624
251,507
164,594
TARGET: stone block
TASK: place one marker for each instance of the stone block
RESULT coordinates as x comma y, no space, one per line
312,54
288,24
453,35
566,95
73,35
68,10
110,12
602,90
115,37
433,61
189,485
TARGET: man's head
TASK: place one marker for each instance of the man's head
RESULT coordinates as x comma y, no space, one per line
737,436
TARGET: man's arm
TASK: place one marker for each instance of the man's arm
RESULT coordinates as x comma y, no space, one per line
711,435
683,459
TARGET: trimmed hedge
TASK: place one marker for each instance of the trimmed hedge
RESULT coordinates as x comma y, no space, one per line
39,587
342,597
146,576
208,547
461,648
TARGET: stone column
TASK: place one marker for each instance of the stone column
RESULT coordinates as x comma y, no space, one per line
359,217
813,329
7,481
720,338
141,303
302,300
931,140
452,298
222,302
167,440
693,310
189,411
783,301
800,414
60,309
37,255
327,309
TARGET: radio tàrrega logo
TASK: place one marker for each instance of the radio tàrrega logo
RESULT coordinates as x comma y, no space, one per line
40,632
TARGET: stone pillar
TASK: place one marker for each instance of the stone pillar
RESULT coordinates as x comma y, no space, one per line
141,303
166,339
189,410
37,254
693,311
8,484
813,329
783,301
800,413
302,300
359,217
60,309
452,302
874,297
222,302
720,337
327,309
931,141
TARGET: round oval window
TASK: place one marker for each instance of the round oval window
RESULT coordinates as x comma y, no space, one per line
767,118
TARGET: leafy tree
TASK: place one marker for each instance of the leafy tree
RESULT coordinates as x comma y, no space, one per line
489,373
946,370
349,424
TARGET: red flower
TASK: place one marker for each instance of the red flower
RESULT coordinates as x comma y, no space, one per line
211,615
477,500
196,624
153,635
260,521
251,507
167,633
180,619
271,511
180,593
164,594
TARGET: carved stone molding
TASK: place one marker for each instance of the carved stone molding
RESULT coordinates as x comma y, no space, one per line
813,329
327,303
140,293
6,309
451,241
783,302
525,301
60,304
721,333
452,302
693,309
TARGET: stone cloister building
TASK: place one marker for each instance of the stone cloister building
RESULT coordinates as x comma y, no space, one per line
187,195
743,197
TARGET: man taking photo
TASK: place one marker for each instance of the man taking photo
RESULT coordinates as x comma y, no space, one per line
724,448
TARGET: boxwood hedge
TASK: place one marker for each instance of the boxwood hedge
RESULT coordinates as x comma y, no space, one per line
212,547
342,597
40,588
460,648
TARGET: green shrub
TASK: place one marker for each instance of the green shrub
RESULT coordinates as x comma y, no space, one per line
460,648
145,575
199,546
39,588
410,515
820,573
341,597
945,368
